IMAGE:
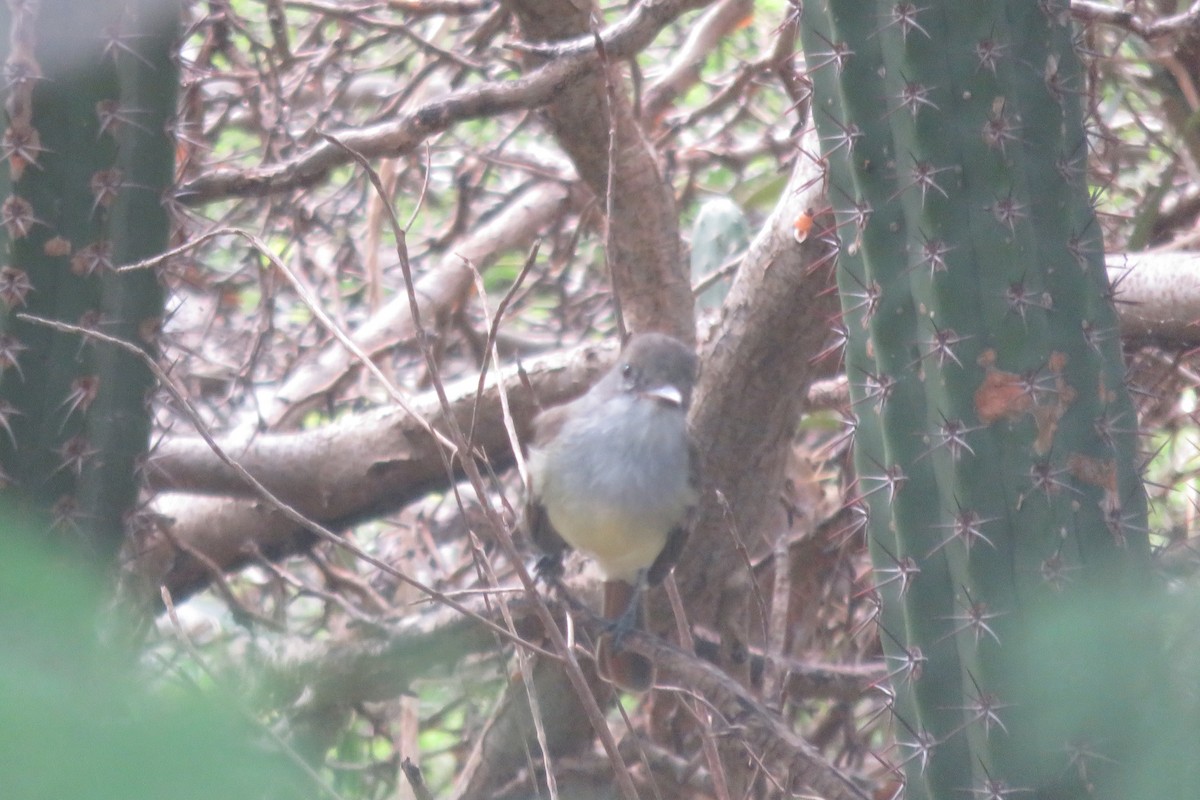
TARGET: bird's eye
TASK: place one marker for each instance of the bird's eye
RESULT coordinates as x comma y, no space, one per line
627,370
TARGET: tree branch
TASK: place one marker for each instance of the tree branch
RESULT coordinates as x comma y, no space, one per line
593,121
441,289
755,373
348,471
1087,11
1157,296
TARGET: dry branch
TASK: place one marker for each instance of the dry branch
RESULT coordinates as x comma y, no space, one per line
379,662
1087,11
789,761
684,70
373,462
1158,296
439,292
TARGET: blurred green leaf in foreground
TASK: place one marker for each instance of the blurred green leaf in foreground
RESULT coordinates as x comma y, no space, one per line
76,721
1110,681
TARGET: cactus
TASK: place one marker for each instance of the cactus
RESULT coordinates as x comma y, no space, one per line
90,87
995,441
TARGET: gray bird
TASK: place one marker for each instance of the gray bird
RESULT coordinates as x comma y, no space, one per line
613,474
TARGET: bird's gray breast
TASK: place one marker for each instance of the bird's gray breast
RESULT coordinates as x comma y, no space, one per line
615,481
638,456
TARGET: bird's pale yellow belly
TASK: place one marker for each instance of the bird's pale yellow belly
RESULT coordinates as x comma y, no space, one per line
620,543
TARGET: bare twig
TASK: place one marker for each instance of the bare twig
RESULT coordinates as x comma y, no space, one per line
499,529
622,39
296,517
202,664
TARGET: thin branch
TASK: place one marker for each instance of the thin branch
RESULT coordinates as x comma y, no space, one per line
202,664
623,39
501,533
791,761
262,491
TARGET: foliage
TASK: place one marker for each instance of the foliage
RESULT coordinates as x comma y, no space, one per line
78,719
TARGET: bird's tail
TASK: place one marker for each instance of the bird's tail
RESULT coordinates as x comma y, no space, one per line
630,671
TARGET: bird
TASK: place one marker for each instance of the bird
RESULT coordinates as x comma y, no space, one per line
614,475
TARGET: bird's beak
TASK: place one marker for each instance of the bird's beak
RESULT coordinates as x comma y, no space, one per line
665,394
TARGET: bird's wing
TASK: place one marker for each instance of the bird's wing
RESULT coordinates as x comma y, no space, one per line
536,521
678,536
541,532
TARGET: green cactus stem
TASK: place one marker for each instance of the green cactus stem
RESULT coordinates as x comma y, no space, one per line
995,440
88,159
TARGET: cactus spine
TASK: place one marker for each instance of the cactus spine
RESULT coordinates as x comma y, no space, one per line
995,440
90,88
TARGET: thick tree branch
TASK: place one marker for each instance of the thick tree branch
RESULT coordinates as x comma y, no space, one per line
348,471
593,121
756,370
1158,296
1087,11
367,464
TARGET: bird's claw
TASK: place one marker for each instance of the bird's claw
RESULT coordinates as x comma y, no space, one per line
620,627
549,569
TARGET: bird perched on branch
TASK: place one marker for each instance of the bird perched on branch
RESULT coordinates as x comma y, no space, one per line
613,474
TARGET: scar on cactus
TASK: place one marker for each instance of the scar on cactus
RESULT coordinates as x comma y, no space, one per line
1006,395
1096,471
1048,415
1003,394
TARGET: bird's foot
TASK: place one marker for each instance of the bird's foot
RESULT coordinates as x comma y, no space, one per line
620,627
549,569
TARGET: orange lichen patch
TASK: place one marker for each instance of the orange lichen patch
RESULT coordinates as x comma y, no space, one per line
1002,393
1047,418
1097,472
803,225
1107,395
57,246
1066,393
